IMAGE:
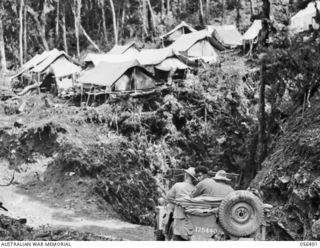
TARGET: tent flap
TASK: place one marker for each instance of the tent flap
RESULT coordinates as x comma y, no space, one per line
171,64
63,67
182,28
228,35
253,32
304,18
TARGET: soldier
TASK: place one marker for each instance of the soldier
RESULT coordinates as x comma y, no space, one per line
222,187
180,190
216,186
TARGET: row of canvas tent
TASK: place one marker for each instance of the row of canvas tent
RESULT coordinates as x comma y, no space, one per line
129,69
227,35
121,69
126,68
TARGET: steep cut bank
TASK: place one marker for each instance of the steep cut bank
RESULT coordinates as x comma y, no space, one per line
290,178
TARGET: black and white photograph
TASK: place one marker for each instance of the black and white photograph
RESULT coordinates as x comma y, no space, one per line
159,120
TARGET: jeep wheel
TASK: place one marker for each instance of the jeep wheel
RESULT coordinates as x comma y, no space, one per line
241,213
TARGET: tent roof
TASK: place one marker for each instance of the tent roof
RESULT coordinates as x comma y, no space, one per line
171,63
48,61
188,40
122,49
228,35
106,73
38,58
301,20
181,25
63,67
154,56
111,58
253,31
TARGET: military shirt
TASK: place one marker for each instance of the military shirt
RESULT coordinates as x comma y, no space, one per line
179,190
210,187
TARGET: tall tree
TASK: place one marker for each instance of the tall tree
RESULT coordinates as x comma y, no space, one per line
123,18
207,8
114,21
40,20
77,22
252,6
263,149
201,14
3,60
104,24
162,10
144,18
223,10
21,30
64,29
57,20
151,18
238,16
25,32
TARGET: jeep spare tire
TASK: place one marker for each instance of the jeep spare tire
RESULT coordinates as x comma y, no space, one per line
241,213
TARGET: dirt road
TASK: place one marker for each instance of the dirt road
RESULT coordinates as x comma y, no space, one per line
40,213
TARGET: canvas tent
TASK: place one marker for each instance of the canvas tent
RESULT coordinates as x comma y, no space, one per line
300,22
95,59
174,34
228,35
251,36
252,33
126,49
163,60
154,56
199,44
37,59
57,63
123,76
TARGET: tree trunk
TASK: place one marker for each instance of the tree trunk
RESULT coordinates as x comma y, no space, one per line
262,112
162,10
40,26
151,19
238,17
223,10
21,31
168,6
265,9
104,25
114,20
252,6
201,15
77,22
144,19
43,26
3,60
208,9
88,38
25,47
123,18
57,20
64,30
